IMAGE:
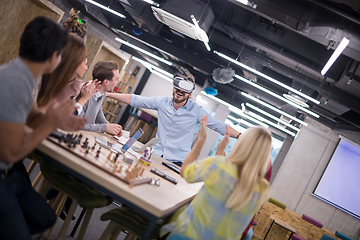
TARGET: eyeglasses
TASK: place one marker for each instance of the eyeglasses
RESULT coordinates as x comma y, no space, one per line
155,182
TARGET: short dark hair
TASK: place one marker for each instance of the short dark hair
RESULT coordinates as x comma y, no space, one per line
41,38
104,70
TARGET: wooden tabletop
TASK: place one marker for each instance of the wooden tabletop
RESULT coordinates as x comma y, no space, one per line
158,201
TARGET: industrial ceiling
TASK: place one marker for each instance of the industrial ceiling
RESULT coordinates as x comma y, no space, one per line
289,41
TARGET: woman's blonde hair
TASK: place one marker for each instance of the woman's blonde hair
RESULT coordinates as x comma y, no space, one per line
251,155
52,84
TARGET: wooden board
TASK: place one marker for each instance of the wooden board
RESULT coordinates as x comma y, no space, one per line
102,162
303,228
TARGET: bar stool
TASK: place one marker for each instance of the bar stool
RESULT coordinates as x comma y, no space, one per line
35,160
277,203
80,193
127,219
342,236
312,221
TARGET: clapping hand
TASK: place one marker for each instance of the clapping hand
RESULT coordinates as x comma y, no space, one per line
223,143
88,89
203,125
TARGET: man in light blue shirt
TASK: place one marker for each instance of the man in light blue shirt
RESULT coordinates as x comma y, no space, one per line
178,118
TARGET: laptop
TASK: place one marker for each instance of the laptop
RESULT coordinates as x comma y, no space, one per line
117,147
149,144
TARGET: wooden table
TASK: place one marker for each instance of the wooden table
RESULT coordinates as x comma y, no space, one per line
152,201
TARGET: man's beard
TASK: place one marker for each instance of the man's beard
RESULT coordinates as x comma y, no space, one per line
179,101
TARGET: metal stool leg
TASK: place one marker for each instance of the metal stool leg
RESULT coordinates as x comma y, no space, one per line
78,222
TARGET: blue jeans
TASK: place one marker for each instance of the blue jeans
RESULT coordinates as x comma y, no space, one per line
23,212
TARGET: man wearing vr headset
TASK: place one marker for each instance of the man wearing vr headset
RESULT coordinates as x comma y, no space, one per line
178,118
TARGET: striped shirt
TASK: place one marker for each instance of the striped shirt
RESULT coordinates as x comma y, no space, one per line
206,217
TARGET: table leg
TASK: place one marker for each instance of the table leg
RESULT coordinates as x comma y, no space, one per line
269,230
150,228
290,235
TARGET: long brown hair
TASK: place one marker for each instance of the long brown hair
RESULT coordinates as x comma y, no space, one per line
52,84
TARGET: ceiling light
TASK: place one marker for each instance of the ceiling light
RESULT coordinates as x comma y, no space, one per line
296,99
200,32
152,3
234,109
247,3
200,100
157,71
266,77
271,123
254,118
272,116
274,108
276,95
106,8
241,121
161,75
144,51
242,114
217,99
340,48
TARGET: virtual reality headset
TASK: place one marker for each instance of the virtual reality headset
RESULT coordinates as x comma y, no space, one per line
183,84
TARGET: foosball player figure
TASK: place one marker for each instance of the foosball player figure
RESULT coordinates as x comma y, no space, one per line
145,159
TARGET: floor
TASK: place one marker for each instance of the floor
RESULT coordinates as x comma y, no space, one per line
96,226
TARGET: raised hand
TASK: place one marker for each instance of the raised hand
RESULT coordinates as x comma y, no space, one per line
114,129
60,114
223,143
203,125
71,89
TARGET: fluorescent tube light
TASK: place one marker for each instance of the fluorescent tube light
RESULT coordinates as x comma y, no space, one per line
245,2
106,8
274,108
272,124
272,116
242,114
241,121
157,71
267,77
205,41
234,109
276,95
152,3
200,100
161,75
340,48
218,100
144,51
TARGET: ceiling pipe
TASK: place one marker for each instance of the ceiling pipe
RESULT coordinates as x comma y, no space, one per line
335,10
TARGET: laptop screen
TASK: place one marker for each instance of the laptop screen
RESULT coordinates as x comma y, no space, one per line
132,140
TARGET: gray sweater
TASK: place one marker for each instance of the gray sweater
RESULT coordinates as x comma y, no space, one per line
93,110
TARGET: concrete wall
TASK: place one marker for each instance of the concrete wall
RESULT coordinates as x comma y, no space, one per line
301,171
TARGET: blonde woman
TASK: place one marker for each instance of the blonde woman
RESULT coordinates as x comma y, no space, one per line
234,187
